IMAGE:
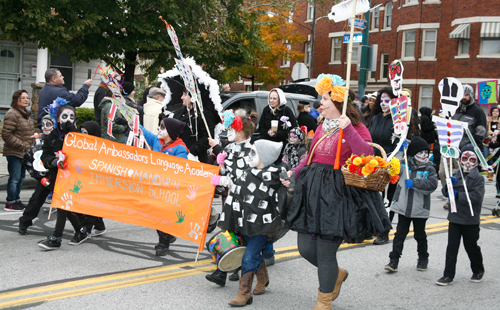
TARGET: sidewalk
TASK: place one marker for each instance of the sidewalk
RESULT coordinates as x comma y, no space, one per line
28,182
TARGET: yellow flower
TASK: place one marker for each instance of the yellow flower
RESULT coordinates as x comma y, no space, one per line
374,162
394,166
357,161
338,93
324,85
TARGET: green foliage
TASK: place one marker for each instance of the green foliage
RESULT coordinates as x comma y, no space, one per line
83,115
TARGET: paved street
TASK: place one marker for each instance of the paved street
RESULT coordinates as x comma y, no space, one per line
120,271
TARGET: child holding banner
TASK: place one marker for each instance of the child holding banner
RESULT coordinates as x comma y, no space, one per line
54,159
253,209
168,142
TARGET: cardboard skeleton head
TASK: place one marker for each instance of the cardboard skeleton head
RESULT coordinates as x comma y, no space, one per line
396,76
452,92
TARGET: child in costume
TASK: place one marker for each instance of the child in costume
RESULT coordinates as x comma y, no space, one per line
54,158
412,203
464,224
33,165
168,142
296,149
232,160
252,209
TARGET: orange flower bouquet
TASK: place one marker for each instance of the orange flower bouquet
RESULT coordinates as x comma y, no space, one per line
371,172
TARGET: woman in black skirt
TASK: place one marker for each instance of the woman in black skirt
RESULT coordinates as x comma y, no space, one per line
324,211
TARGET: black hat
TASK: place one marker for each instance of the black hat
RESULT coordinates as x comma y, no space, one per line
173,126
417,144
128,88
92,128
468,147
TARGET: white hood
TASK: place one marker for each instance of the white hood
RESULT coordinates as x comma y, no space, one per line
281,96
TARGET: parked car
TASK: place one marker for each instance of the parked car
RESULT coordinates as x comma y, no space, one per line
258,100
302,86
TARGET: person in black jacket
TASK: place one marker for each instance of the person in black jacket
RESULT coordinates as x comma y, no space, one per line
304,119
429,134
195,134
276,110
464,223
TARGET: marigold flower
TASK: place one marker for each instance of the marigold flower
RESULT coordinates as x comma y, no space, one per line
373,162
357,161
352,168
394,179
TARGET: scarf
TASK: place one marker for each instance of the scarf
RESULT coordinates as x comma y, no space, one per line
292,153
329,124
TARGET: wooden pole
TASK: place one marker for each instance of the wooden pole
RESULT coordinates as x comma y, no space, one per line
348,80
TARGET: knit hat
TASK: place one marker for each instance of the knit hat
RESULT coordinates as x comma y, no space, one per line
468,147
268,151
46,116
173,126
92,128
128,88
417,144
469,90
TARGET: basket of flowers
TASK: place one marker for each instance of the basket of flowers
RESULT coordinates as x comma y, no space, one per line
371,172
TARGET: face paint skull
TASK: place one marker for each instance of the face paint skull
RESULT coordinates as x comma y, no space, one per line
292,138
67,116
84,131
47,126
468,160
253,158
231,134
422,156
162,131
385,100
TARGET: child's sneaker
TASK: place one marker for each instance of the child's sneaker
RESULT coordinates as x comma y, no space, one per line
444,281
477,277
13,207
392,266
52,243
422,264
79,237
98,233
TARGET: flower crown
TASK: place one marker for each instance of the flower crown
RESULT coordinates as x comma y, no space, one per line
53,108
332,84
230,120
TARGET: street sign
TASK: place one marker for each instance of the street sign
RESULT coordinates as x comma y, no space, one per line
300,71
358,23
357,38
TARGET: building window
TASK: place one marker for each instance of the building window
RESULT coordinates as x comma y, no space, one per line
286,61
63,63
384,65
354,58
463,46
310,12
426,96
336,49
375,19
490,46
307,52
429,44
388,15
409,44
411,1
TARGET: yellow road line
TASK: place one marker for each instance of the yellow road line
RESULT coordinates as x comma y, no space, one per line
147,276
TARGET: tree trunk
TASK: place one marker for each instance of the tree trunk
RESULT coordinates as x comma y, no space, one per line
130,61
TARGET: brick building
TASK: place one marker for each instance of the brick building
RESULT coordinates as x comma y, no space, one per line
434,39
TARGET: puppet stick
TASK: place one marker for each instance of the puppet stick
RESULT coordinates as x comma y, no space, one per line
467,193
50,211
348,79
451,196
406,164
196,259
204,120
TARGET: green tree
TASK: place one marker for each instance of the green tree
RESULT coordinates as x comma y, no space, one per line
217,33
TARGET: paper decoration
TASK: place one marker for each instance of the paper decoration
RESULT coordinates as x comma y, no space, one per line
487,92
343,11
398,108
452,92
396,76
450,133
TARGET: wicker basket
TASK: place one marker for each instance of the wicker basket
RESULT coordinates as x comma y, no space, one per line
374,182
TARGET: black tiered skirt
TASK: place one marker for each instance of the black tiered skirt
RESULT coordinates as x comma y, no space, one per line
324,205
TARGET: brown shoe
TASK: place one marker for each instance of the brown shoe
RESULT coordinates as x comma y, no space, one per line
262,280
324,301
490,176
446,205
341,277
244,296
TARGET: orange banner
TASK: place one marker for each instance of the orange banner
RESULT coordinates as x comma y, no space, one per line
135,186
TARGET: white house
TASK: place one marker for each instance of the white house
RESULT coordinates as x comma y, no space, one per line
20,66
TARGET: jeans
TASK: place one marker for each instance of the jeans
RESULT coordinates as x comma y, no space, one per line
17,173
252,259
470,235
268,251
401,233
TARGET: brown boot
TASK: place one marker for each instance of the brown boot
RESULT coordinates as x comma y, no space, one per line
490,176
262,280
324,301
341,277
244,296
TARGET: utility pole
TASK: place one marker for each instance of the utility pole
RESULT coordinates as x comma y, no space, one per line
311,57
364,56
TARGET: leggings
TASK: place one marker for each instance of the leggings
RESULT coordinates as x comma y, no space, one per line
323,255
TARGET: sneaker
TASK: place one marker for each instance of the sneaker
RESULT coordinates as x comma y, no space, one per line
13,207
444,281
161,250
392,266
98,232
422,264
477,277
80,237
446,205
218,277
382,239
52,243
22,230
21,204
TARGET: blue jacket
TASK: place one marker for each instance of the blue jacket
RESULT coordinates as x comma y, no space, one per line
50,92
177,148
